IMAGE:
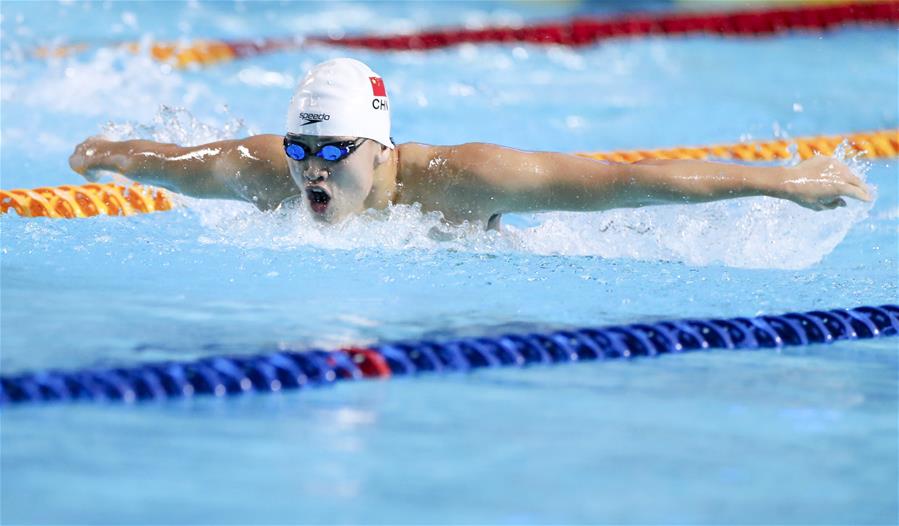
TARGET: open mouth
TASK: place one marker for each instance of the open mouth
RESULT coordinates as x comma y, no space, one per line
318,199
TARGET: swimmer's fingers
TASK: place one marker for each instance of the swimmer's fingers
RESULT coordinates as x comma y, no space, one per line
92,175
849,178
81,159
834,171
831,204
77,159
87,159
839,202
853,179
853,186
858,191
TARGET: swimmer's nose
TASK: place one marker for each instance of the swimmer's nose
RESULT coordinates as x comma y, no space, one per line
315,174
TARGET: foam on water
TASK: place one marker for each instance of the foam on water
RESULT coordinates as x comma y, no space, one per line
113,82
747,233
177,126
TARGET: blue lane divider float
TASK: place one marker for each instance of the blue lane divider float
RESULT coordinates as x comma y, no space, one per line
287,370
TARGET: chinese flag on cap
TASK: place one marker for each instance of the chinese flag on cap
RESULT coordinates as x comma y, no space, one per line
377,87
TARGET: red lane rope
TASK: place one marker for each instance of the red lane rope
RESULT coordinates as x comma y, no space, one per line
577,32
580,32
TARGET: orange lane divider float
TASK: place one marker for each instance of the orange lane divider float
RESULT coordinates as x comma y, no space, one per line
186,54
111,199
577,32
209,52
69,201
881,144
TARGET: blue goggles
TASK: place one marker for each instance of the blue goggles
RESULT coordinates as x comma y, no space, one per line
336,151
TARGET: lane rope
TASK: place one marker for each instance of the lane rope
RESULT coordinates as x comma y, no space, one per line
576,32
583,32
69,201
291,370
880,144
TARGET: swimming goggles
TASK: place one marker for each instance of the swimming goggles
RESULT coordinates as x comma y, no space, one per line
334,151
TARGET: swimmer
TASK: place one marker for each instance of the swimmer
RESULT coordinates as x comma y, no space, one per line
338,153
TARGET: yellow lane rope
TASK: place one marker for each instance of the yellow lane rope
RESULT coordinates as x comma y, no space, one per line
111,199
86,200
181,55
874,145
201,52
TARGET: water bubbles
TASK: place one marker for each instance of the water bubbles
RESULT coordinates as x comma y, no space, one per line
129,19
757,232
778,131
745,233
459,89
574,122
176,125
566,58
468,52
259,77
114,83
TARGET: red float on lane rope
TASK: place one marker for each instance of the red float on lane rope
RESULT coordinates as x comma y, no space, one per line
371,363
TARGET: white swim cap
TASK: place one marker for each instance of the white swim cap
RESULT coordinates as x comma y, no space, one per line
341,97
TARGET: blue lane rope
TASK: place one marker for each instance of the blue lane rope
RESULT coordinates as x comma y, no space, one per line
287,370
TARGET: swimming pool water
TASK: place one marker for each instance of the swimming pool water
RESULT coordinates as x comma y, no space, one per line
803,435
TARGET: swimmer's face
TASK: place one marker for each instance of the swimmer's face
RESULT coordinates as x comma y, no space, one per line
335,189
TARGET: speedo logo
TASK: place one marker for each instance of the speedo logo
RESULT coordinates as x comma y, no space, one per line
312,118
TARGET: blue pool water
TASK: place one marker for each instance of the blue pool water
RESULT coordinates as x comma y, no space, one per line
804,435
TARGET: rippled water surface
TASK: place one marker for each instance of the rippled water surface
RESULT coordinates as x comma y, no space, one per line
803,435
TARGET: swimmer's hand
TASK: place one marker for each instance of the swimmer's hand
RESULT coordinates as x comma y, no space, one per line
821,183
96,155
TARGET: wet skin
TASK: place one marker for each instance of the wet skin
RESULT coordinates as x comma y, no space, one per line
468,182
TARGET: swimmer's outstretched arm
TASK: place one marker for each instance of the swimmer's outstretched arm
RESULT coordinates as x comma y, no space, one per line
252,169
517,181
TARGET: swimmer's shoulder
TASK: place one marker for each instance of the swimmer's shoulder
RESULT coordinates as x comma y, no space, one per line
414,155
446,160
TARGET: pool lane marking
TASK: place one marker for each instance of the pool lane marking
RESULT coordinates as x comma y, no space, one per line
292,370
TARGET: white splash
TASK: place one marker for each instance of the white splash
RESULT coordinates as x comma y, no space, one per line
245,153
747,233
756,232
112,82
292,226
196,154
436,163
176,126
